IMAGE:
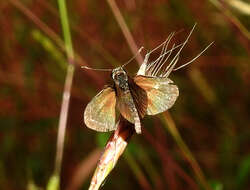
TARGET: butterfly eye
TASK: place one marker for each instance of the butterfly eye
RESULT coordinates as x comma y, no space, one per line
118,76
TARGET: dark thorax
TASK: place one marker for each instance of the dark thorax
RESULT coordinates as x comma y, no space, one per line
120,78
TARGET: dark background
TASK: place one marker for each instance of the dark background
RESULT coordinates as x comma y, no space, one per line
211,113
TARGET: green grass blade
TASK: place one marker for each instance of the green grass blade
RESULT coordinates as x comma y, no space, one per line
67,88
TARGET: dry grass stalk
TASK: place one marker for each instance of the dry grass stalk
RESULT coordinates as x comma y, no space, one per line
113,150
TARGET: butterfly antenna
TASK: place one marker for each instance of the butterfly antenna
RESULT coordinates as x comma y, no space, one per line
196,57
88,68
139,51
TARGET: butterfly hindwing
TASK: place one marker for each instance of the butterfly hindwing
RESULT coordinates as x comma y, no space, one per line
99,114
140,98
161,93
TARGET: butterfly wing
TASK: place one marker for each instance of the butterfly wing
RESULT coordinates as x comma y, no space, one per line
161,93
99,114
139,97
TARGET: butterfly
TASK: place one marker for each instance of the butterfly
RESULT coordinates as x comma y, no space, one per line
148,93
133,97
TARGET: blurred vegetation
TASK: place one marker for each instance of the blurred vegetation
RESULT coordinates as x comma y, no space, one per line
211,113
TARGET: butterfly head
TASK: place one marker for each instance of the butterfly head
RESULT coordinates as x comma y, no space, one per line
120,77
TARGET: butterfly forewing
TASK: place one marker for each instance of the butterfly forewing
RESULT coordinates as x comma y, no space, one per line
100,112
161,93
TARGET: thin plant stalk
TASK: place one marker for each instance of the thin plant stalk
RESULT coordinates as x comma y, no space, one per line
67,87
232,18
112,151
165,157
138,172
85,36
83,170
127,34
185,150
19,5
78,60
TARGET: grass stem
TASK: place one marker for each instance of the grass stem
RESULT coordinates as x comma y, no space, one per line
67,87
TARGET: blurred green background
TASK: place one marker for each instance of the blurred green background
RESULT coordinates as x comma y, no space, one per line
211,113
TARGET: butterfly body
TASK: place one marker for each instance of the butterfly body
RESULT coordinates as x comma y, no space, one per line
125,100
133,97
